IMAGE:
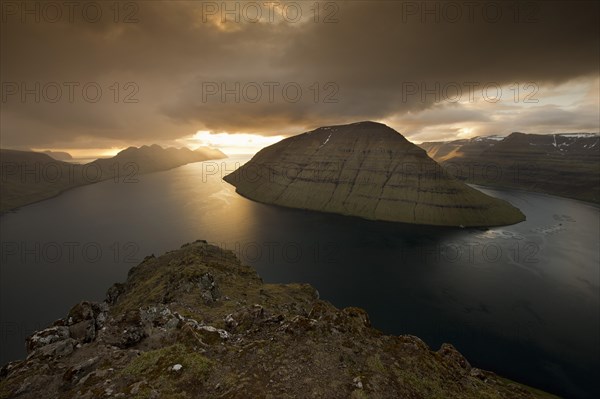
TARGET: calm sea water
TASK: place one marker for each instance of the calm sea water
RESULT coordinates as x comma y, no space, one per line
522,300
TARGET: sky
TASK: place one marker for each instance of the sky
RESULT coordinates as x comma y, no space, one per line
92,78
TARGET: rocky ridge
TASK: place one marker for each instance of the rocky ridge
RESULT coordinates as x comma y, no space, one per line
195,322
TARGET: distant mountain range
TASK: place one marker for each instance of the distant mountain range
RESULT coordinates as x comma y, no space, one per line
59,155
29,177
369,170
565,164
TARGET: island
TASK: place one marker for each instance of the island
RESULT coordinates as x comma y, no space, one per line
196,323
369,170
29,177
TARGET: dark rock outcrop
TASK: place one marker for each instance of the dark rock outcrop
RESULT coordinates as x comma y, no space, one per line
161,338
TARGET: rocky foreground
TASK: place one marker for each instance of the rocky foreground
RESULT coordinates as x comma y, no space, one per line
195,323
369,170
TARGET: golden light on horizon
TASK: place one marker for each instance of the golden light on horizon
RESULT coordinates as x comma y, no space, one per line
85,153
465,133
231,143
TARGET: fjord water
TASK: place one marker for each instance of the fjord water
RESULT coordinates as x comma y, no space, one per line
521,300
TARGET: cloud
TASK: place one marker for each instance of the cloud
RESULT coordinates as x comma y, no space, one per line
363,65
570,107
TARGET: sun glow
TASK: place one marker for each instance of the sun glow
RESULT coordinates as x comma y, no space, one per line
238,143
465,132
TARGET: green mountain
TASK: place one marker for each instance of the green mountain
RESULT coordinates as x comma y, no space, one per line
368,170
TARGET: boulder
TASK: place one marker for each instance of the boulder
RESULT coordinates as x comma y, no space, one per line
46,337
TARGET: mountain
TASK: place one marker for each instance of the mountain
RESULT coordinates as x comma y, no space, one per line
59,155
29,177
195,323
567,164
443,150
154,158
369,170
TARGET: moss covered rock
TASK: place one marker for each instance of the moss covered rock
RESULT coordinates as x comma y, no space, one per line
161,338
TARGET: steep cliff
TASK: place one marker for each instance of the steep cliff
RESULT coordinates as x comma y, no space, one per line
369,170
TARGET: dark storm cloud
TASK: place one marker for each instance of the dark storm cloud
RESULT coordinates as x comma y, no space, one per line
364,65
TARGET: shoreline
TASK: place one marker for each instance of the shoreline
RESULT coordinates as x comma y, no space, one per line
16,208
474,185
541,193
